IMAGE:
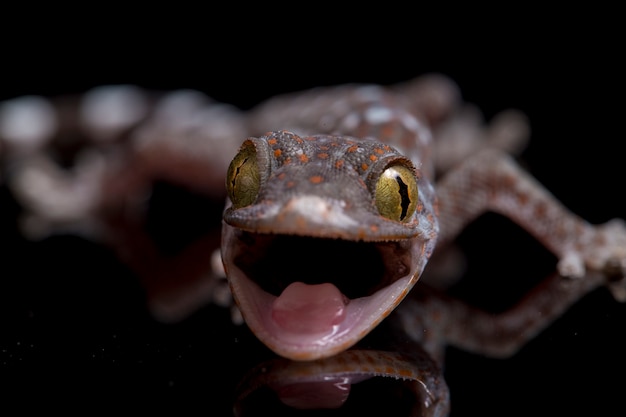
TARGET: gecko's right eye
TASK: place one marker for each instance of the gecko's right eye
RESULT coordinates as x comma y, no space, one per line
243,179
396,193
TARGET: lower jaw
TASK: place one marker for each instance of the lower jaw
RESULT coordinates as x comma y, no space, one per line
362,315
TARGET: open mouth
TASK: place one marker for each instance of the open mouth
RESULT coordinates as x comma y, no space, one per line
356,269
308,297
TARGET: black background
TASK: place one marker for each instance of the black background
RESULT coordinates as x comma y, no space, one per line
74,319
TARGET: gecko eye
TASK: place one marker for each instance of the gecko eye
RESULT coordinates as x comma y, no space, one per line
243,179
396,193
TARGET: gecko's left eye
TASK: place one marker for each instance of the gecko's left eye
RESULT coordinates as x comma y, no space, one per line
243,179
396,193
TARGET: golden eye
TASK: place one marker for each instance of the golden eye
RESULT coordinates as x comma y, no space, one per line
243,178
396,193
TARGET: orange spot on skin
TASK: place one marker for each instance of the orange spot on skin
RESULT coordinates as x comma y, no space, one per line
339,164
277,153
364,166
373,158
405,372
353,148
301,223
379,151
316,179
509,181
523,198
598,239
281,176
540,210
290,184
322,155
303,158
387,131
272,141
374,228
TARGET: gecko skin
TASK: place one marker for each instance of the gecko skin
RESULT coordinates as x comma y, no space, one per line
336,201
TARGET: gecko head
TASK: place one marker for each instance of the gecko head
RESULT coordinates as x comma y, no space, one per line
319,252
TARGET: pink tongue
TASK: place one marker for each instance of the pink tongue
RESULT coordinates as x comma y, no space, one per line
303,308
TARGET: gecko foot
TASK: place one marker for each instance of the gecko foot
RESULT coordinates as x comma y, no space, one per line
605,252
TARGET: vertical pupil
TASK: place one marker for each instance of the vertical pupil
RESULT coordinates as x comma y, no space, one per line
238,171
404,195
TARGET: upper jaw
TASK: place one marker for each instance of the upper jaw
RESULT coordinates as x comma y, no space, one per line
321,217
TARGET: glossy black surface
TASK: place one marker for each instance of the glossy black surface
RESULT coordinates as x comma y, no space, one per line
73,317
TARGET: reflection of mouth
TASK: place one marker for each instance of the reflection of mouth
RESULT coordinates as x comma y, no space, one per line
360,382
329,392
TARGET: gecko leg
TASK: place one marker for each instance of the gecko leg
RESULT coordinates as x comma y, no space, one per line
437,320
492,181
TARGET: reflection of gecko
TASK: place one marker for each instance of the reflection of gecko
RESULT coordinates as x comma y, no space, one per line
328,230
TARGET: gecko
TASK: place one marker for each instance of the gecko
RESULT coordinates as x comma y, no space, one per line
335,203
347,197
